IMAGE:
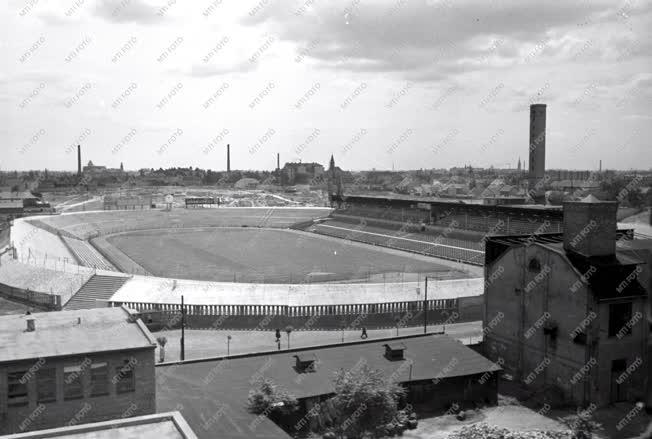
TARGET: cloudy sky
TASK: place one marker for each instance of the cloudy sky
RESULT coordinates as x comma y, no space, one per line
399,83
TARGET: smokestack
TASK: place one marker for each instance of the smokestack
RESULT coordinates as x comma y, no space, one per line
228,158
600,166
537,150
278,161
78,159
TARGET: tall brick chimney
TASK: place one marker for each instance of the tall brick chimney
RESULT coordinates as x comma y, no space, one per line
537,152
79,169
590,226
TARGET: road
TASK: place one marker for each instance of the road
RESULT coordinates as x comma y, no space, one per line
212,343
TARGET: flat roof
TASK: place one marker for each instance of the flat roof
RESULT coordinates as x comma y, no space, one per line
65,333
144,289
169,425
213,394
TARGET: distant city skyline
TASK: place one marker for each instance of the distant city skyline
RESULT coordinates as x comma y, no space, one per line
403,85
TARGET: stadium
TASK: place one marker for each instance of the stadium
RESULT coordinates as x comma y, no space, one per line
312,268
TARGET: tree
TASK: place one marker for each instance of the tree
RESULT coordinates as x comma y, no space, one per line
270,399
365,400
288,330
162,341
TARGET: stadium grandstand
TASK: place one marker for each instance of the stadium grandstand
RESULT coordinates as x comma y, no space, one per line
435,227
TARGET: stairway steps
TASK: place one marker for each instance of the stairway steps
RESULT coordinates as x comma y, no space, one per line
96,292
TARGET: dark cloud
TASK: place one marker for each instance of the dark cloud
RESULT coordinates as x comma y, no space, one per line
424,39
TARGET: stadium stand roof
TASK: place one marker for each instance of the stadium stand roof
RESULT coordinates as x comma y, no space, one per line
143,289
71,332
206,387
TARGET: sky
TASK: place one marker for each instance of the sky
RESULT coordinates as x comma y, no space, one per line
381,84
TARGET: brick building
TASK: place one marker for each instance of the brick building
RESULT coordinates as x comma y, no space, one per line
73,367
567,313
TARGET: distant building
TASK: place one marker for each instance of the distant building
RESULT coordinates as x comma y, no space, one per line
68,367
246,183
567,314
301,173
93,171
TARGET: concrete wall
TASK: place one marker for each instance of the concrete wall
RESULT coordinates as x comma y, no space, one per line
35,416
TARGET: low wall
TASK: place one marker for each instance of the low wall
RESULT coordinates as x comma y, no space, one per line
157,319
47,302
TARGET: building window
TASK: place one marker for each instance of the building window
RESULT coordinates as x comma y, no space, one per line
534,265
99,379
72,382
620,315
46,385
124,378
17,388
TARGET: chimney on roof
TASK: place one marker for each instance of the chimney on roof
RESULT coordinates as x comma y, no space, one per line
590,226
31,325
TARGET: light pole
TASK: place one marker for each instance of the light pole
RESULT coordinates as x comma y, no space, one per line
425,307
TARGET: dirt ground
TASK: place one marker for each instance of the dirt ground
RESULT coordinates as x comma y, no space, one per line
510,414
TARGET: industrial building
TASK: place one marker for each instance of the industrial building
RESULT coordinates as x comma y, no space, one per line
74,366
567,314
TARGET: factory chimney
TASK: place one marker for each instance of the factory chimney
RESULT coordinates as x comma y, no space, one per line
600,170
537,152
228,158
278,161
79,160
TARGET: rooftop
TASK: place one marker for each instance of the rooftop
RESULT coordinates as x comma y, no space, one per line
64,333
159,426
213,393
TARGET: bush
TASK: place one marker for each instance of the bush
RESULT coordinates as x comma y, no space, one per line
269,398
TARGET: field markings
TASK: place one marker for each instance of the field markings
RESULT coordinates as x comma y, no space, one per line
404,239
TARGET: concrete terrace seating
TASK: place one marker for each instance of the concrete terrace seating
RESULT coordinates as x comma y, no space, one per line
448,248
87,255
16,275
91,224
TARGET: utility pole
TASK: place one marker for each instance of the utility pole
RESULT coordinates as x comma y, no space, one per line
425,308
183,332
